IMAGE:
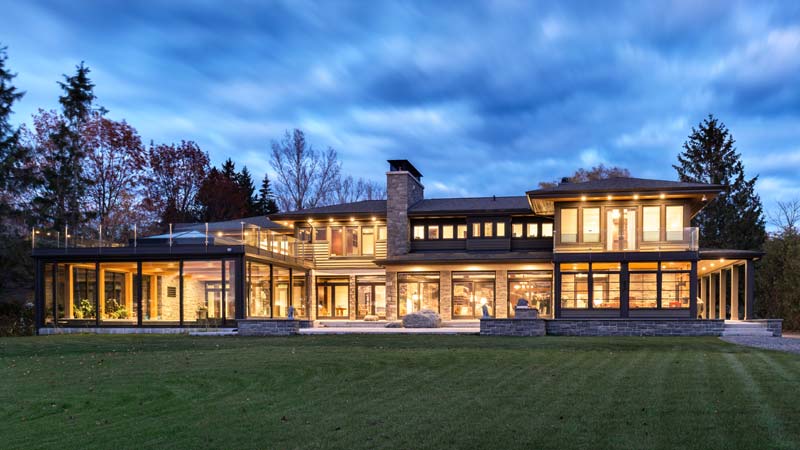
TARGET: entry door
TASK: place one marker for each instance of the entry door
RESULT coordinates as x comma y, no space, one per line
621,229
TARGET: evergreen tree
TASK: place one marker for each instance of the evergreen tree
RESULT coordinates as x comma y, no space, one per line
15,174
64,184
229,170
266,204
735,219
248,188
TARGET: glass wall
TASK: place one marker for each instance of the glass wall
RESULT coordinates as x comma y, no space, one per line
299,297
333,298
536,287
257,289
280,299
643,286
605,285
118,290
651,223
417,291
161,293
370,297
575,286
471,291
203,291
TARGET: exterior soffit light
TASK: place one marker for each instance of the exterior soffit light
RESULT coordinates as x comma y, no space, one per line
609,197
662,196
636,196
583,198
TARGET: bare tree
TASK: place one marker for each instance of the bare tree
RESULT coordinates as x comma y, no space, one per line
787,217
600,172
305,178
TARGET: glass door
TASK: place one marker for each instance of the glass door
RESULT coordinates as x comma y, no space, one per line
621,229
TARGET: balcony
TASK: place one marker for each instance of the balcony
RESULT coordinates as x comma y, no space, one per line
687,239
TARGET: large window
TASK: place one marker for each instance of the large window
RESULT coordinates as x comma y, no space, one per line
368,240
547,230
591,224
621,229
333,298
651,223
419,232
344,241
575,286
118,302
643,291
370,297
536,287
161,299
674,223
299,299
337,241
320,234
471,291
675,289
605,285
258,289
433,232
569,225
533,230
416,291
203,291
282,286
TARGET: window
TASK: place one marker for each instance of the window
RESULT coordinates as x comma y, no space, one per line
203,297
675,290
674,223
159,279
433,231
370,297
299,294
381,233
575,290
419,232
605,285
257,289
304,234
643,291
351,247
471,291
320,234
591,224
651,223
368,240
280,295
501,229
476,230
447,232
533,230
487,229
547,230
569,225
534,287
516,230
417,291
118,292
333,298
337,242
461,231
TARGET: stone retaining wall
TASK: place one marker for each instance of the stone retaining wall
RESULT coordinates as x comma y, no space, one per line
774,326
512,327
271,327
628,327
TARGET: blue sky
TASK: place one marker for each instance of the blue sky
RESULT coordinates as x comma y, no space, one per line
484,98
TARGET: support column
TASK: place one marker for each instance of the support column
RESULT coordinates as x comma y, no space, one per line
501,294
446,294
624,295
693,291
557,291
749,289
391,295
351,307
712,297
735,293
723,294
704,296
311,285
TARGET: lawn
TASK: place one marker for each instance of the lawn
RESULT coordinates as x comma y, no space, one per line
116,392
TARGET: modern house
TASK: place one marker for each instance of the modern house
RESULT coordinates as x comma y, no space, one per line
619,248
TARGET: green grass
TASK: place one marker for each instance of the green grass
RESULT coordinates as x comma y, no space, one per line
116,392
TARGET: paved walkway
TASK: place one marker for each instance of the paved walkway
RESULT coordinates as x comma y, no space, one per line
384,330
784,344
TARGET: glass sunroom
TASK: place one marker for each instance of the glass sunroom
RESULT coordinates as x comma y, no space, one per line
183,279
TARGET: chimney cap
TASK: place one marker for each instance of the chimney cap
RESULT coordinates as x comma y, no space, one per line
403,165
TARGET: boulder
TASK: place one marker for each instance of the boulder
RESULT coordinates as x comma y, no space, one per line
394,325
425,318
371,318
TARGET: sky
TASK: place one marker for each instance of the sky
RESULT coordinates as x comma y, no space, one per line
484,98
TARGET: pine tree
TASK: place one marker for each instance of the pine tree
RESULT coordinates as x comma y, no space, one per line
735,219
64,183
266,204
229,169
15,174
248,188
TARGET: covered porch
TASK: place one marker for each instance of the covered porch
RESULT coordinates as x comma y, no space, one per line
726,284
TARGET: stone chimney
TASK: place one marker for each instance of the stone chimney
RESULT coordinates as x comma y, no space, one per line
403,189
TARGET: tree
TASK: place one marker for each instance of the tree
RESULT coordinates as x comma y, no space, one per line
306,178
266,204
59,201
16,173
600,172
248,188
735,219
221,198
229,169
350,190
175,176
778,273
116,163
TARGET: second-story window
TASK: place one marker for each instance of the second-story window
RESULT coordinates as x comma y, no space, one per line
569,225
337,242
461,231
501,229
651,223
433,232
476,230
487,229
381,233
516,230
447,232
351,247
674,223
533,230
591,224
368,241
320,234
547,230
419,232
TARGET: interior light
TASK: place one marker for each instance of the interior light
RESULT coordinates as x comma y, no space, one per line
330,220
704,198
352,219
609,197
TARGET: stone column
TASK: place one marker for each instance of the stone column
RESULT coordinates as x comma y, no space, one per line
712,297
446,294
501,294
311,282
723,294
352,298
735,293
391,295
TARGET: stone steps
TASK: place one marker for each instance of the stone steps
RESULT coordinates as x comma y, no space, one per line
736,328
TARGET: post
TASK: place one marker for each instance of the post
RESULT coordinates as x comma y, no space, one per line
170,235
735,293
712,297
749,289
139,293
723,295
557,291
693,291
206,234
135,236
624,295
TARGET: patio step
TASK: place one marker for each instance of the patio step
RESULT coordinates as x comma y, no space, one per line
737,328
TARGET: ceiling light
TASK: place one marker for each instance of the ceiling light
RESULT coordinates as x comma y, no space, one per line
662,196
583,198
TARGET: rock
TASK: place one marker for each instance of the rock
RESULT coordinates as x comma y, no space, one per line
394,325
371,318
425,318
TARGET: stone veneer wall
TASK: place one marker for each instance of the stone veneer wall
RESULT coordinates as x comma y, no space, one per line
501,294
634,327
446,294
774,326
351,298
271,327
402,191
513,327
391,295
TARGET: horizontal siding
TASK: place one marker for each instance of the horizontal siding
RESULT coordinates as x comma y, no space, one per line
531,244
318,252
590,313
489,244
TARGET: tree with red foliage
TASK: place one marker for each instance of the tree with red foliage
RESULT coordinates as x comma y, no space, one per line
175,176
221,198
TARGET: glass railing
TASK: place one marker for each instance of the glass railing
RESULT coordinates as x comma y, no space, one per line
686,239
